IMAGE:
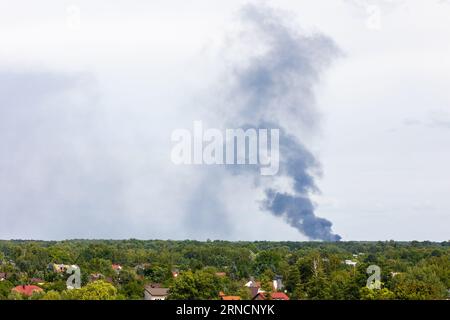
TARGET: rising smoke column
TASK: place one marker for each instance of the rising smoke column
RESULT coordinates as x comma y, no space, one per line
274,85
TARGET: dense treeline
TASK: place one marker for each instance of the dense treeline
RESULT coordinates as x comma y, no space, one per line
309,270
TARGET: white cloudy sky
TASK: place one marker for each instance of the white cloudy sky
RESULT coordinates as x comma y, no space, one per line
87,107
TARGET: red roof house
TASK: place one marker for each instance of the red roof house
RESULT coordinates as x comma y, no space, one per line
221,274
27,290
279,296
37,280
230,298
223,296
116,267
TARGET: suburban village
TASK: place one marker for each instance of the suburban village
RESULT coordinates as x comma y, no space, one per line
152,291
219,270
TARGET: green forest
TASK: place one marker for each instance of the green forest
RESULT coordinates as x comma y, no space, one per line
194,270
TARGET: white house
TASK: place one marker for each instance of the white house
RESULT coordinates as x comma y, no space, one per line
350,263
152,293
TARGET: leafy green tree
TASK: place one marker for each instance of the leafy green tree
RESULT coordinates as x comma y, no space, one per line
293,279
376,294
343,286
201,285
14,295
184,287
58,285
418,284
266,280
157,273
102,266
51,295
244,293
5,289
132,290
318,287
97,290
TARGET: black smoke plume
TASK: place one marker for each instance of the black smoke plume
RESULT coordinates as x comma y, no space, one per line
276,85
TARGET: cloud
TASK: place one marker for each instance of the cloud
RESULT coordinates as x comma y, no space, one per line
434,119
59,174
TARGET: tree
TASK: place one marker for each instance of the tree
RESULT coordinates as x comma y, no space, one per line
5,289
374,294
201,285
58,285
97,290
244,293
293,279
318,287
343,286
51,295
14,295
157,273
266,280
419,284
132,290
184,287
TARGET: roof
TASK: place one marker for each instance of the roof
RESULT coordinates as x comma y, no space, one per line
221,274
253,291
253,283
259,296
27,290
96,276
157,291
230,298
279,296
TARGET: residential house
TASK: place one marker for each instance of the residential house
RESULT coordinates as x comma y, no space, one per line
255,290
223,296
279,296
27,290
4,276
229,298
116,267
60,268
256,293
253,283
350,263
259,296
37,281
155,293
96,276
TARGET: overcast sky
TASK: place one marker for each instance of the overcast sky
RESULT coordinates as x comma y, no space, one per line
90,92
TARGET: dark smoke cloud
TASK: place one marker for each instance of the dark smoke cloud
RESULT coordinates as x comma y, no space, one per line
276,87
298,211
